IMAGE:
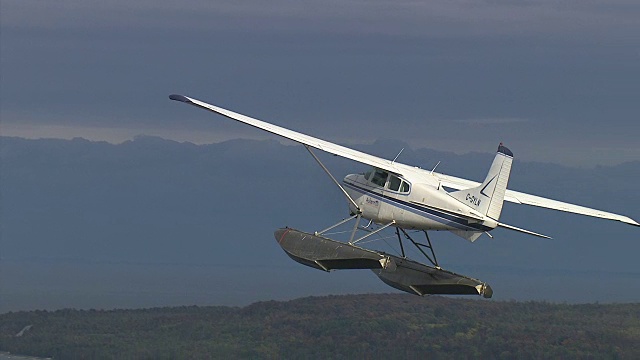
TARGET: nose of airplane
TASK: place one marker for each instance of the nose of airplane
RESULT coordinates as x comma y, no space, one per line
350,177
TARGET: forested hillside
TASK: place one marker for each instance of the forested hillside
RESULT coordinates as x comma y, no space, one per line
352,326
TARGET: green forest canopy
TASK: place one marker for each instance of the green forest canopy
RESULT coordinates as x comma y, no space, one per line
361,326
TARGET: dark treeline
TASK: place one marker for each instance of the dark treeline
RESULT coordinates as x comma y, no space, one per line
354,326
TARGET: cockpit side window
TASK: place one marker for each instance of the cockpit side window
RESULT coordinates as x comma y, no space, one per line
397,184
394,183
379,177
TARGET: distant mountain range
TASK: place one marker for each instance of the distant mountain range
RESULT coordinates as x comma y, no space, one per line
154,202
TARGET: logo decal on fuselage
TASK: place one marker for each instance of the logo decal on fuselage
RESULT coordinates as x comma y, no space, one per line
372,202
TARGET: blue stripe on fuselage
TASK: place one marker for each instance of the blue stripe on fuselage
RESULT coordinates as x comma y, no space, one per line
436,215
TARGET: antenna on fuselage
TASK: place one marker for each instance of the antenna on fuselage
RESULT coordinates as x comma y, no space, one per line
396,158
434,168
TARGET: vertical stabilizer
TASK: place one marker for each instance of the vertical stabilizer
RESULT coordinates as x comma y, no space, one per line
487,198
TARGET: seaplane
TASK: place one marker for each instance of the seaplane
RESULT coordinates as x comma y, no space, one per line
408,200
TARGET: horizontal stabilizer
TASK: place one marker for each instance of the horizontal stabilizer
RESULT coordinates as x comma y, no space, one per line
510,227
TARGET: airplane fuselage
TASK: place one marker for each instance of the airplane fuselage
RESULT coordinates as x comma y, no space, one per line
418,203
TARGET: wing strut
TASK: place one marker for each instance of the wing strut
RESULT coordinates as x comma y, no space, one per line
334,179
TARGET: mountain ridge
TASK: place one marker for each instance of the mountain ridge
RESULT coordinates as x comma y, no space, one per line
155,201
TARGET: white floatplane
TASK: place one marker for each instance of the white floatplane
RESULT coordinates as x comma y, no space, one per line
406,198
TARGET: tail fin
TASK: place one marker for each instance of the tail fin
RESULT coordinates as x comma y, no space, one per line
487,198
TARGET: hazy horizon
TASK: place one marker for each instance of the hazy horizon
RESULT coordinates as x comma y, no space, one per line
144,223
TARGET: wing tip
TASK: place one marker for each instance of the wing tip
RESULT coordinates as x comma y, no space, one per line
632,222
626,220
180,98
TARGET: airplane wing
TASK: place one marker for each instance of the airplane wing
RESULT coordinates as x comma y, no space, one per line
446,180
296,136
528,199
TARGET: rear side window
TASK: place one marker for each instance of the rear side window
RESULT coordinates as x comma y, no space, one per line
404,187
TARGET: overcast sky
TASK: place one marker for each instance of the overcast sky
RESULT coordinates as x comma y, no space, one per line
554,80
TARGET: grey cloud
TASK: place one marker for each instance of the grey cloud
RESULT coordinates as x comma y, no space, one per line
409,18
491,121
417,71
